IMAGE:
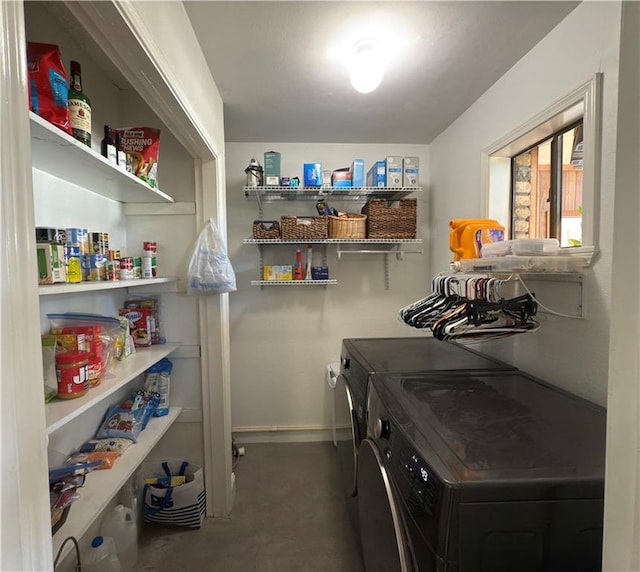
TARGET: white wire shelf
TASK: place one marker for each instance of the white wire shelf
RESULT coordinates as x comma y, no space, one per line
314,193
333,241
292,282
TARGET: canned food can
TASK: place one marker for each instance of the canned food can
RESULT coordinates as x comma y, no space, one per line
126,268
137,267
95,267
73,263
114,255
113,269
46,235
99,242
147,267
77,237
149,249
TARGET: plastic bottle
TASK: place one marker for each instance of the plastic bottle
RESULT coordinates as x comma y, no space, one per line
120,524
298,272
102,556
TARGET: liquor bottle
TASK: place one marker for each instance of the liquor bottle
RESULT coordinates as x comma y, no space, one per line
107,148
79,107
121,156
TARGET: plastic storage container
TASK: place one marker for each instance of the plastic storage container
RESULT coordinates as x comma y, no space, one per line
120,524
535,246
102,556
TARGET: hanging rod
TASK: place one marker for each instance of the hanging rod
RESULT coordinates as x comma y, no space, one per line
399,253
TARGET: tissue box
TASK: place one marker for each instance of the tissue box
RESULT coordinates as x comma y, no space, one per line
312,175
357,173
278,272
341,178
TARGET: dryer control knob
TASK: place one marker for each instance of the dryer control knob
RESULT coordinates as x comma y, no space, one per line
382,429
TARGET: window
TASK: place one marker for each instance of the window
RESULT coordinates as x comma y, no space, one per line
541,180
546,189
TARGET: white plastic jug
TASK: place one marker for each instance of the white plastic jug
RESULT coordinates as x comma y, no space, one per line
102,556
120,524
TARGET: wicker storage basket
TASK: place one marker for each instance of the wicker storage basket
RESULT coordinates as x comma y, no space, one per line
386,221
266,229
353,226
301,227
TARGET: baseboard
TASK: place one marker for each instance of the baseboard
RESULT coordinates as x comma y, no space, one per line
282,434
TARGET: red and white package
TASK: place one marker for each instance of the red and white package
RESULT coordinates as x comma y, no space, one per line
142,146
48,84
139,324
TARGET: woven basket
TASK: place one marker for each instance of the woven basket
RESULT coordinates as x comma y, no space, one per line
302,227
386,221
353,226
266,229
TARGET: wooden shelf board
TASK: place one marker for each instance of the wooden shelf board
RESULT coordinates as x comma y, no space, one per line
59,154
102,486
60,411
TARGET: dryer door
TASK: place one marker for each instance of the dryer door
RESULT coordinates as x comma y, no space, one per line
382,531
348,439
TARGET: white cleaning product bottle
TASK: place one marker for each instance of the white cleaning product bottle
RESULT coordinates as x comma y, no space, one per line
120,524
309,258
102,556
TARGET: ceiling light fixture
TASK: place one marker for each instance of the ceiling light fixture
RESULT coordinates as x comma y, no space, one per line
366,66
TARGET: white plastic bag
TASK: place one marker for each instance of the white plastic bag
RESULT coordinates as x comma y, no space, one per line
210,270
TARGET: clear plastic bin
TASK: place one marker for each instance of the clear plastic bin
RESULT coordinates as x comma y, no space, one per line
535,246
513,263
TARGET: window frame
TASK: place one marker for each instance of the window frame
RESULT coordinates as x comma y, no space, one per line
585,102
556,192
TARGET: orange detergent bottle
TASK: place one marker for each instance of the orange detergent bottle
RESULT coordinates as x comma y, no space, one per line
467,236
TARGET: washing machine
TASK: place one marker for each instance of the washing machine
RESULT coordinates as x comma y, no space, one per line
480,473
359,358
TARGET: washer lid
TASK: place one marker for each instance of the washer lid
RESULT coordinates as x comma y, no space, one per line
414,355
499,426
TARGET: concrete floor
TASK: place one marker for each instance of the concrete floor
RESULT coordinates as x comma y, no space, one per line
289,516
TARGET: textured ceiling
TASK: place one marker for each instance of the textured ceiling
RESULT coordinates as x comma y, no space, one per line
270,62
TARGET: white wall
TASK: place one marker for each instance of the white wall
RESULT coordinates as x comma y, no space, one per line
622,495
283,337
572,354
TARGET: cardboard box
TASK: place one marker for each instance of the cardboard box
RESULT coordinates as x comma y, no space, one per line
394,172
357,173
278,272
411,172
312,175
326,178
272,168
341,178
51,268
377,174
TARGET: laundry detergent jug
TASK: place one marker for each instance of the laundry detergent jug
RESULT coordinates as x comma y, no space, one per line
120,524
467,236
102,556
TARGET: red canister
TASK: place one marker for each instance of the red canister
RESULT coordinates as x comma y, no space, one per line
72,371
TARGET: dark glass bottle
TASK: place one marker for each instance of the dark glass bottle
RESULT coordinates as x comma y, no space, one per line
79,107
107,148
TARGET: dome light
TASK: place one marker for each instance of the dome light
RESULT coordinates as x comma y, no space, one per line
366,68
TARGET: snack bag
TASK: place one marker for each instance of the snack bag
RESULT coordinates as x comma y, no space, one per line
48,84
142,146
